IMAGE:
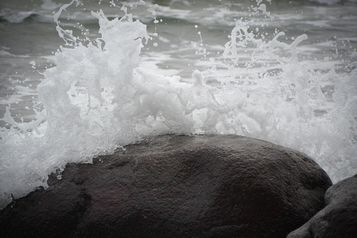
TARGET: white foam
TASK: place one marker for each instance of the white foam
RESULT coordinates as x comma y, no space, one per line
49,5
15,16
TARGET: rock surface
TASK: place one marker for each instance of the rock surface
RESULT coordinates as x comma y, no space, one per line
339,218
176,186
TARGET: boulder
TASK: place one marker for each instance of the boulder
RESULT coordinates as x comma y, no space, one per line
176,186
339,218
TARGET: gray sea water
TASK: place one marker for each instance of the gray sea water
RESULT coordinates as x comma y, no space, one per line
28,31
283,71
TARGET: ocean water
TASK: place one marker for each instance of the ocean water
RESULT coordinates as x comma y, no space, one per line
80,79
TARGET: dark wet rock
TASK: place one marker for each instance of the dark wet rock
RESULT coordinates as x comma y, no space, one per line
339,218
176,186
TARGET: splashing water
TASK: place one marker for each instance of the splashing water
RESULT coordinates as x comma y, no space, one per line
99,97
277,95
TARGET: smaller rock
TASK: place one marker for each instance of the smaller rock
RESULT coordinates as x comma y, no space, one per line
339,218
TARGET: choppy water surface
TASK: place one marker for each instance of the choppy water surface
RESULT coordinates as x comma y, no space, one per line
83,79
